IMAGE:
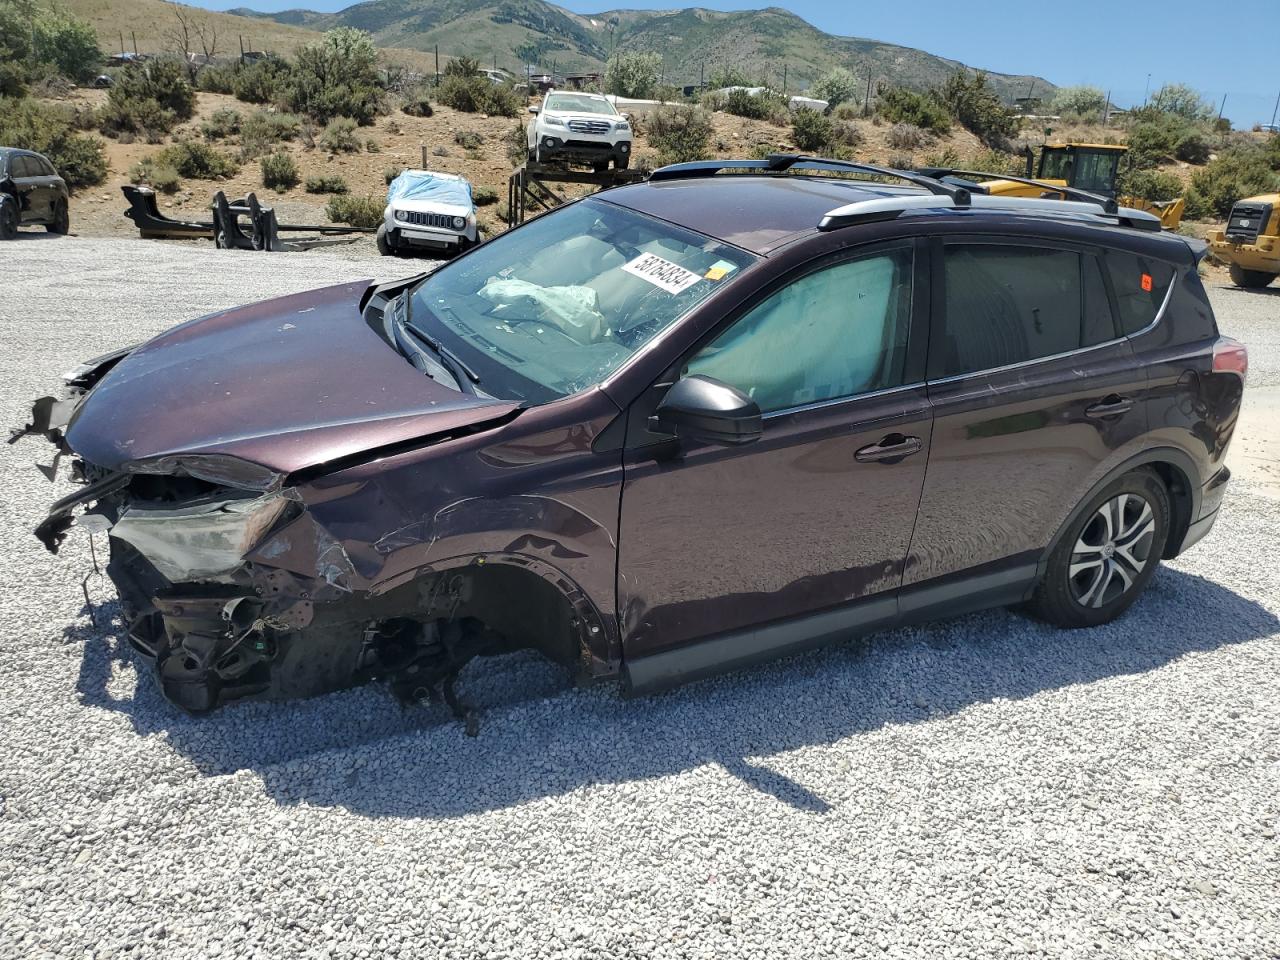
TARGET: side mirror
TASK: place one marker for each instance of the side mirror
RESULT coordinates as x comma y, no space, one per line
702,408
624,115
533,109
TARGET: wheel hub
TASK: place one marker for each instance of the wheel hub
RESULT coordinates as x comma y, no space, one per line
1112,550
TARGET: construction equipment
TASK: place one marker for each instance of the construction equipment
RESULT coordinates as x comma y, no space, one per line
1250,242
1093,167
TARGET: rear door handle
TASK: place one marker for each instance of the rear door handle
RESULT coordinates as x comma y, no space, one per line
1111,406
893,447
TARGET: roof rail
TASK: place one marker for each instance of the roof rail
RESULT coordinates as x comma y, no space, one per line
776,163
1108,204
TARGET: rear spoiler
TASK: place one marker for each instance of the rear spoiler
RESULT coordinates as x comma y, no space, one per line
1199,248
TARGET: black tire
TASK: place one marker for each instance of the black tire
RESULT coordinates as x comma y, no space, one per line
61,221
385,246
1250,279
1111,577
621,163
8,221
600,166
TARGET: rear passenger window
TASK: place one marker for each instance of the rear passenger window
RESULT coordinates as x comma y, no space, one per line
21,167
1140,284
1010,304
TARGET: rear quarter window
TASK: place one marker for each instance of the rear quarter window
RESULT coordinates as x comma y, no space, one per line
1140,285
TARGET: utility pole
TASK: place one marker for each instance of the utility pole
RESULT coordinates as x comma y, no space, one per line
1276,111
134,37
866,104
1223,107
1146,91
437,64
242,50
1106,111
122,43
784,78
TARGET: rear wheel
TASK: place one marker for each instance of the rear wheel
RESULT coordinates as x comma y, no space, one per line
8,221
1107,556
1250,279
61,221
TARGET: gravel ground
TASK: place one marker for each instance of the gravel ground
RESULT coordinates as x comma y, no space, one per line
982,787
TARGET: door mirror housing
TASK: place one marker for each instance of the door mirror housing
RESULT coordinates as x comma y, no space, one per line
706,409
533,110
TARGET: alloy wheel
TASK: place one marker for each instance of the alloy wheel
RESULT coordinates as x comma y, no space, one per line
1112,550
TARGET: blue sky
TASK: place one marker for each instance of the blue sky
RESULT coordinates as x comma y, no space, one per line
1223,47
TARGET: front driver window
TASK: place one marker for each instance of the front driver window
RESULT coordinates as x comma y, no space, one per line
834,333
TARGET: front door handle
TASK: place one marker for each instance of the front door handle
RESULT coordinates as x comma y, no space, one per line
893,447
1110,406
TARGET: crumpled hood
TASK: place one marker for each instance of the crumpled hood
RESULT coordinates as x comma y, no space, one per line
289,384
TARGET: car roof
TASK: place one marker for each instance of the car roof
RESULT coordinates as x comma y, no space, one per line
762,213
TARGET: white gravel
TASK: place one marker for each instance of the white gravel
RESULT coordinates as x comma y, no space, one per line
984,787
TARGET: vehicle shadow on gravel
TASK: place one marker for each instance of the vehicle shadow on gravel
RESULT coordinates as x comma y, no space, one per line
360,751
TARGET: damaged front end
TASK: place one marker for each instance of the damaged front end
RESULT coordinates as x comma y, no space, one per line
191,540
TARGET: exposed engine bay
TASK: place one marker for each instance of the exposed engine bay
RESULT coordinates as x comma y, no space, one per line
233,587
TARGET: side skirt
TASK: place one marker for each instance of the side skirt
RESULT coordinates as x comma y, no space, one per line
744,648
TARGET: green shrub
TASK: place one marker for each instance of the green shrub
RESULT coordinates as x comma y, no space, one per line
162,81
516,143
327,184
127,120
484,196
846,111
417,105
262,81
765,105
222,124
1085,102
372,146
339,136
836,86
1153,139
905,136
1182,101
462,67
846,133
997,161
279,172
811,130
467,139
679,134
1153,185
944,159
337,76
1236,174
970,98
357,211
197,160
51,129
390,173
217,78
261,130
900,105
633,74
478,94
1192,147
39,41
159,177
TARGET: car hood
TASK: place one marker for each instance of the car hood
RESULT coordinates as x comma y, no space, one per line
587,117
289,384
427,205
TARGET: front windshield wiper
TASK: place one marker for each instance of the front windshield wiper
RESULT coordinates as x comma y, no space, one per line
455,364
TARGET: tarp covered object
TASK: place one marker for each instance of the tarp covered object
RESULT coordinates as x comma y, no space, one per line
424,185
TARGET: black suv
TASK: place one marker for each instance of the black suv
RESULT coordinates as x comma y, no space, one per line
672,428
31,192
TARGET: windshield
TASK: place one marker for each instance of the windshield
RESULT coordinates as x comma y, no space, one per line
579,103
556,306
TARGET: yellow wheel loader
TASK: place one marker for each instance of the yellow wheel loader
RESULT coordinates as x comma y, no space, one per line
1250,242
1090,167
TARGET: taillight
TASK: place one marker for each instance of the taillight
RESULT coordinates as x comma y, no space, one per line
1230,356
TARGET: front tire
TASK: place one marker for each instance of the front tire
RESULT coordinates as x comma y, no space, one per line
1250,279
1108,555
8,221
385,246
61,221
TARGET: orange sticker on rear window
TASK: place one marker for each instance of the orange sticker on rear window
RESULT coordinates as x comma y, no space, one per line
1146,282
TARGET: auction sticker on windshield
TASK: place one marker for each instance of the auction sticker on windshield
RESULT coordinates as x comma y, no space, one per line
663,274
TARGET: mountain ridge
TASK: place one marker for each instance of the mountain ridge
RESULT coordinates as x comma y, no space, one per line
694,41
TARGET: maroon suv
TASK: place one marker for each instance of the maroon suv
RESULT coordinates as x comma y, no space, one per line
732,412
